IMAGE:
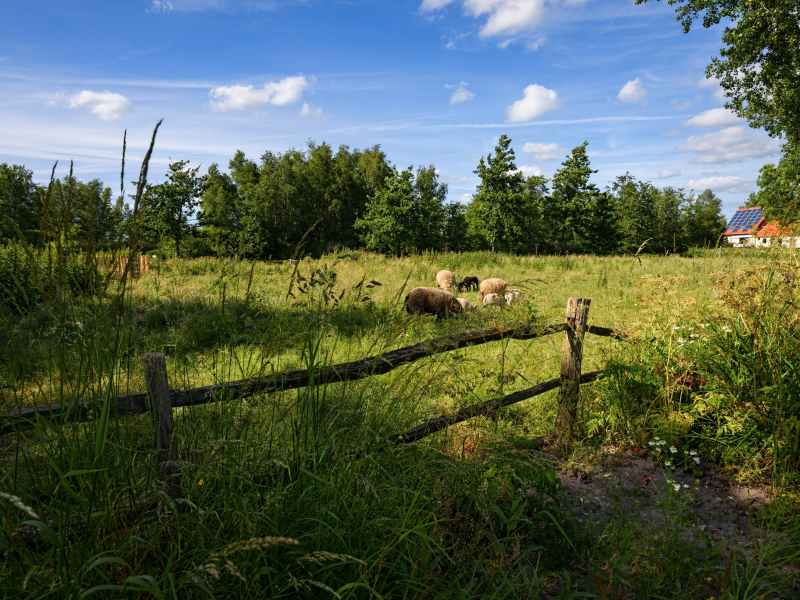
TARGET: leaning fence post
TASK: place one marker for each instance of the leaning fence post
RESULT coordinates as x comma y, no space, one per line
155,377
571,353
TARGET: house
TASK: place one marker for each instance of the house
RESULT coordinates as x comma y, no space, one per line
772,234
744,226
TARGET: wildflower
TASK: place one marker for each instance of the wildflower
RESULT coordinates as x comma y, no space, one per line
200,482
686,486
656,438
697,460
658,449
677,486
692,342
673,449
650,443
607,475
661,443
668,464
693,453
705,339
681,341
676,328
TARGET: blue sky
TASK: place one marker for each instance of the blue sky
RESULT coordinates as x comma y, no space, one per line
431,81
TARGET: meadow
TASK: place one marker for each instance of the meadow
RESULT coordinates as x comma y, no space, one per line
298,493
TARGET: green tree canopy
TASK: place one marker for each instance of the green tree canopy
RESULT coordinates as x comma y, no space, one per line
498,209
20,207
169,205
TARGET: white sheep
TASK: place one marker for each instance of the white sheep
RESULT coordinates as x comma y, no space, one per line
446,280
494,300
465,305
514,296
493,285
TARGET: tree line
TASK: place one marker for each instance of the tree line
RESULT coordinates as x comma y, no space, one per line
324,199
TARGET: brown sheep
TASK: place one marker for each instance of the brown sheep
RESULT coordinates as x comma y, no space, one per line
492,286
465,305
445,280
432,301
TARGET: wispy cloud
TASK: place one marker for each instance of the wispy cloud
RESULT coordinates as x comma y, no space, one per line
666,174
543,151
715,117
726,183
732,144
536,44
247,97
461,93
309,110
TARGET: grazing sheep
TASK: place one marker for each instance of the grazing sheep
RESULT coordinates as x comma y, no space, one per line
465,305
445,280
469,283
514,296
492,286
494,300
432,301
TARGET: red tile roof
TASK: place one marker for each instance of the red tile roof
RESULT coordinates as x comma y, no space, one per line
773,229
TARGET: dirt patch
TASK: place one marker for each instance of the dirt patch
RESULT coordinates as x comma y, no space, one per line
623,485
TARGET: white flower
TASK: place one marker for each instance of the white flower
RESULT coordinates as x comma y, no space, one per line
676,327
697,460
673,449
677,486
681,341
658,449
693,453
686,485
656,438
668,464
661,443
607,475
650,443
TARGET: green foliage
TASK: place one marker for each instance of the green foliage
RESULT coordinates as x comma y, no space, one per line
406,215
779,188
169,206
498,211
20,208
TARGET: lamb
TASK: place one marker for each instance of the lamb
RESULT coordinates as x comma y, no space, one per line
465,305
432,301
514,296
492,286
494,300
445,280
469,283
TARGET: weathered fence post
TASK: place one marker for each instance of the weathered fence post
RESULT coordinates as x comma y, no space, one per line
155,377
571,353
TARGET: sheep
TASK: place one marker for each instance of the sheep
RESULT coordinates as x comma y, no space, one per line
492,286
469,283
432,301
445,280
513,296
494,300
465,305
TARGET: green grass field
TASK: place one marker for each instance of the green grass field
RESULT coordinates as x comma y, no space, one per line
297,494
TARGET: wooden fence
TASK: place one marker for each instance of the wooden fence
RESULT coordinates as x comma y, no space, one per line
159,400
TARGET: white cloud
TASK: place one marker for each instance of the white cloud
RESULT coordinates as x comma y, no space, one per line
666,174
732,144
161,6
465,198
529,171
107,105
726,183
715,117
543,151
434,4
309,110
712,83
462,94
633,92
247,97
449,179
505,43
503,17
506,16
536,44
537,101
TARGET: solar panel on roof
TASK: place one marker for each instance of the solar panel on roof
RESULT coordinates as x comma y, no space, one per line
744,220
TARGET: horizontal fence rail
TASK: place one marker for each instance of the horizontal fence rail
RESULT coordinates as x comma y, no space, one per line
135,404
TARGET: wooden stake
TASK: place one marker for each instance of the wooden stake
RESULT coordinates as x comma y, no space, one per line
155,377
571,354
